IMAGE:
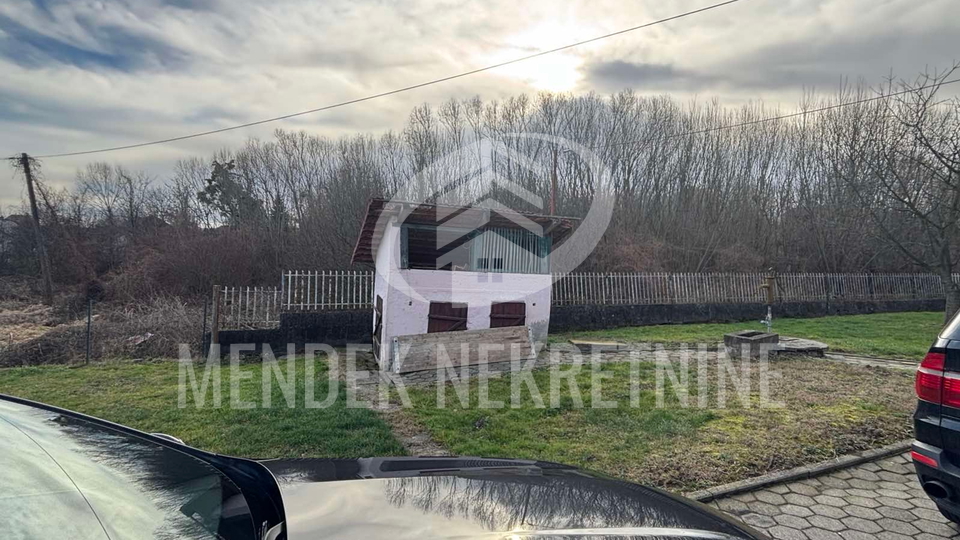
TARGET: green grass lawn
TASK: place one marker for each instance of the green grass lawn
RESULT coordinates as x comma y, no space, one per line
899,335
145,396
830,409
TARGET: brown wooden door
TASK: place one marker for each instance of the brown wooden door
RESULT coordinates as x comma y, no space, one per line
508,314
447,317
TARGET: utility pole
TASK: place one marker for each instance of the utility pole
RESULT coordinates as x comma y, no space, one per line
25,163
553,185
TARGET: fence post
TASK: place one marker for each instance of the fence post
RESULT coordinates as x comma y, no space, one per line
826,290
215,322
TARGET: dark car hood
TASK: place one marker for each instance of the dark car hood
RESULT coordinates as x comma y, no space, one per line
466,498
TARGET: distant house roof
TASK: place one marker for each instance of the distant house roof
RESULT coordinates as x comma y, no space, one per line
471,217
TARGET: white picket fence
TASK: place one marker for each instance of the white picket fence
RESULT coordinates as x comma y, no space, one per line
709,288
320,290
243,308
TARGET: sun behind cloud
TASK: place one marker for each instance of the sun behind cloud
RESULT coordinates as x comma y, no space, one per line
557,72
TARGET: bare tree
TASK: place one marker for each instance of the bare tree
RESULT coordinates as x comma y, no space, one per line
903,160
691,194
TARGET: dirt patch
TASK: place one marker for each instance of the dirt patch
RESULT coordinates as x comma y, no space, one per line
412,434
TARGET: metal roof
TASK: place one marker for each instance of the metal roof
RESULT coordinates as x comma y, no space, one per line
469,217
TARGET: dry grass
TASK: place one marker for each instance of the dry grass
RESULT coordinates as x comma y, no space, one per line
829,409
22,321
13,312
19,289
18,333
153,329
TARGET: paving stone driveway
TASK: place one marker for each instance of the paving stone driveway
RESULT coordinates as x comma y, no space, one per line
878,500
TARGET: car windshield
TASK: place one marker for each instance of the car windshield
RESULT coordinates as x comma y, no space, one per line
64,477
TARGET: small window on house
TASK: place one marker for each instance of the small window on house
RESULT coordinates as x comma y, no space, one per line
508,314
447,317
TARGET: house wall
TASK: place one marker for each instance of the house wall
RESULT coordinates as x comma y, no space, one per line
407,306
387,263
407,295
410,305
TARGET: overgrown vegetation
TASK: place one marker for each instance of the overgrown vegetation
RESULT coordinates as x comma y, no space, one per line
154,328
896,335
818,193
830,409
144,395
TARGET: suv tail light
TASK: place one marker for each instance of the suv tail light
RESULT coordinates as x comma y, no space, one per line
929,383
950,396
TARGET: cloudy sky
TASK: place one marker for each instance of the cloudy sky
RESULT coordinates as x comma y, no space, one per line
79,74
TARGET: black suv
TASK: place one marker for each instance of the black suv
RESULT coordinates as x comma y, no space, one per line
936,452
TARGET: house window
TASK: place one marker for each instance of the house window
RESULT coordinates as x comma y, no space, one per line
508,314
447,317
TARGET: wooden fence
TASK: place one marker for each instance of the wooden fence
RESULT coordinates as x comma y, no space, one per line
655,288
318,290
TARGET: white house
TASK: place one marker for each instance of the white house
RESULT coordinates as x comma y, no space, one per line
456,270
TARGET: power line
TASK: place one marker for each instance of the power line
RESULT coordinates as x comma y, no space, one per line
790,115
398,90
